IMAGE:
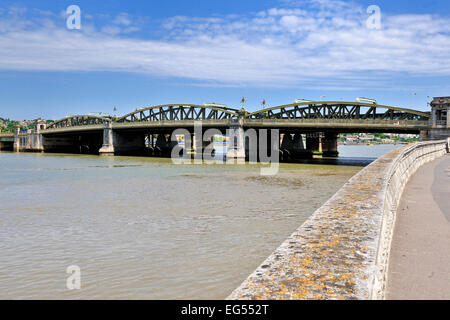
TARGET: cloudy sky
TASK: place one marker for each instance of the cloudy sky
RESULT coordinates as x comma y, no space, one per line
134,53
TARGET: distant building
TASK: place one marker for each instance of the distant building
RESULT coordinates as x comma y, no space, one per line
440,111
367,137
440,118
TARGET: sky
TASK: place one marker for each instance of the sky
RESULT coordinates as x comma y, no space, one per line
133,54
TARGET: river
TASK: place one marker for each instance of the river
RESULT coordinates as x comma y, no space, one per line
144,228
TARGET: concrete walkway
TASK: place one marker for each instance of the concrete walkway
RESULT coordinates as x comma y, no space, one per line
419,266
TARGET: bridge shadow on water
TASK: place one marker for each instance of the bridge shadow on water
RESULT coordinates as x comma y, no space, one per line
339,161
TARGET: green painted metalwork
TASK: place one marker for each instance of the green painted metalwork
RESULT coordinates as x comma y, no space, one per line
173,112
301,110
339,110
77,121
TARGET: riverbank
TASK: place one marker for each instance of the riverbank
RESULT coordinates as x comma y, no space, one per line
341,251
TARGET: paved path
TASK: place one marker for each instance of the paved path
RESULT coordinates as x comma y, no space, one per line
419,266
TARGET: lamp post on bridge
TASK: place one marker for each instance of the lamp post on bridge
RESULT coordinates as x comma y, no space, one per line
412,99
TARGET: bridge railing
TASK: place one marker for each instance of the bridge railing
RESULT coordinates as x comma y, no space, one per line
343,121
442,123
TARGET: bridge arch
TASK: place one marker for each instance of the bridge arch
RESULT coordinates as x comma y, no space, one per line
78,121
339,110
177,112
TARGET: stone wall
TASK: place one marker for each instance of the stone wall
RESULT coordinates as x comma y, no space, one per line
342,250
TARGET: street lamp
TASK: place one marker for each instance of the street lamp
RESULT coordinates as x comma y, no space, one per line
428,103
412,99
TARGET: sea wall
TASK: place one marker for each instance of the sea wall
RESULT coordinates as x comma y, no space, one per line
342,250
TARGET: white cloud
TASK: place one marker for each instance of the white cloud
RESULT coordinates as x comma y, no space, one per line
123,19
326,44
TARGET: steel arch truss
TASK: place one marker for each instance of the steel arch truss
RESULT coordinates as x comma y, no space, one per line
178,113
339,110
78,121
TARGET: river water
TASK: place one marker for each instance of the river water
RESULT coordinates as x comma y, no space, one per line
144,228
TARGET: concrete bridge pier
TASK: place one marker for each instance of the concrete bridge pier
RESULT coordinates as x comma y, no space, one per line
329,145
152,143
107,148
298,143
31,140
16,146
314,142
293,148
287,147
236,142
134,143
36,139
299,151
162,144
205,144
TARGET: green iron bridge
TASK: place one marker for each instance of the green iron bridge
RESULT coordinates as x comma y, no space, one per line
318,120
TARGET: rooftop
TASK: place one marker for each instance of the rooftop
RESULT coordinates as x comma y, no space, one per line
441,100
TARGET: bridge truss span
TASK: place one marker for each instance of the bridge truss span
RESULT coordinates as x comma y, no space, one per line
178,112
339,111
78,121
150,130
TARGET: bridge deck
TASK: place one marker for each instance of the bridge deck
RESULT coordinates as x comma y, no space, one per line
300,124
6,137
340,125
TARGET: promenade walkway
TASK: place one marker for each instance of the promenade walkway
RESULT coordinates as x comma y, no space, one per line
419,265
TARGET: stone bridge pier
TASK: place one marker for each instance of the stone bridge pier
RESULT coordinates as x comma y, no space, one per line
314,142
125,142
135,142
31,140
330,145
107,148
292,147
236,142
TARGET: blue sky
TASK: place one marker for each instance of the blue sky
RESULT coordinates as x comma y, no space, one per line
133,54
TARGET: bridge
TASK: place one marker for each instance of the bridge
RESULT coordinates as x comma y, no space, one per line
147,131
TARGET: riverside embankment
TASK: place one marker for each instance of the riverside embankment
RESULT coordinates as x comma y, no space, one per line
342,250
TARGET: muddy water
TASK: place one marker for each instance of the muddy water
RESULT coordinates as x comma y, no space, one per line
143,228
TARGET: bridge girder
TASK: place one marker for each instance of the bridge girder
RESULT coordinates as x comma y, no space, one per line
174,112
78,121
310,110
338,110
